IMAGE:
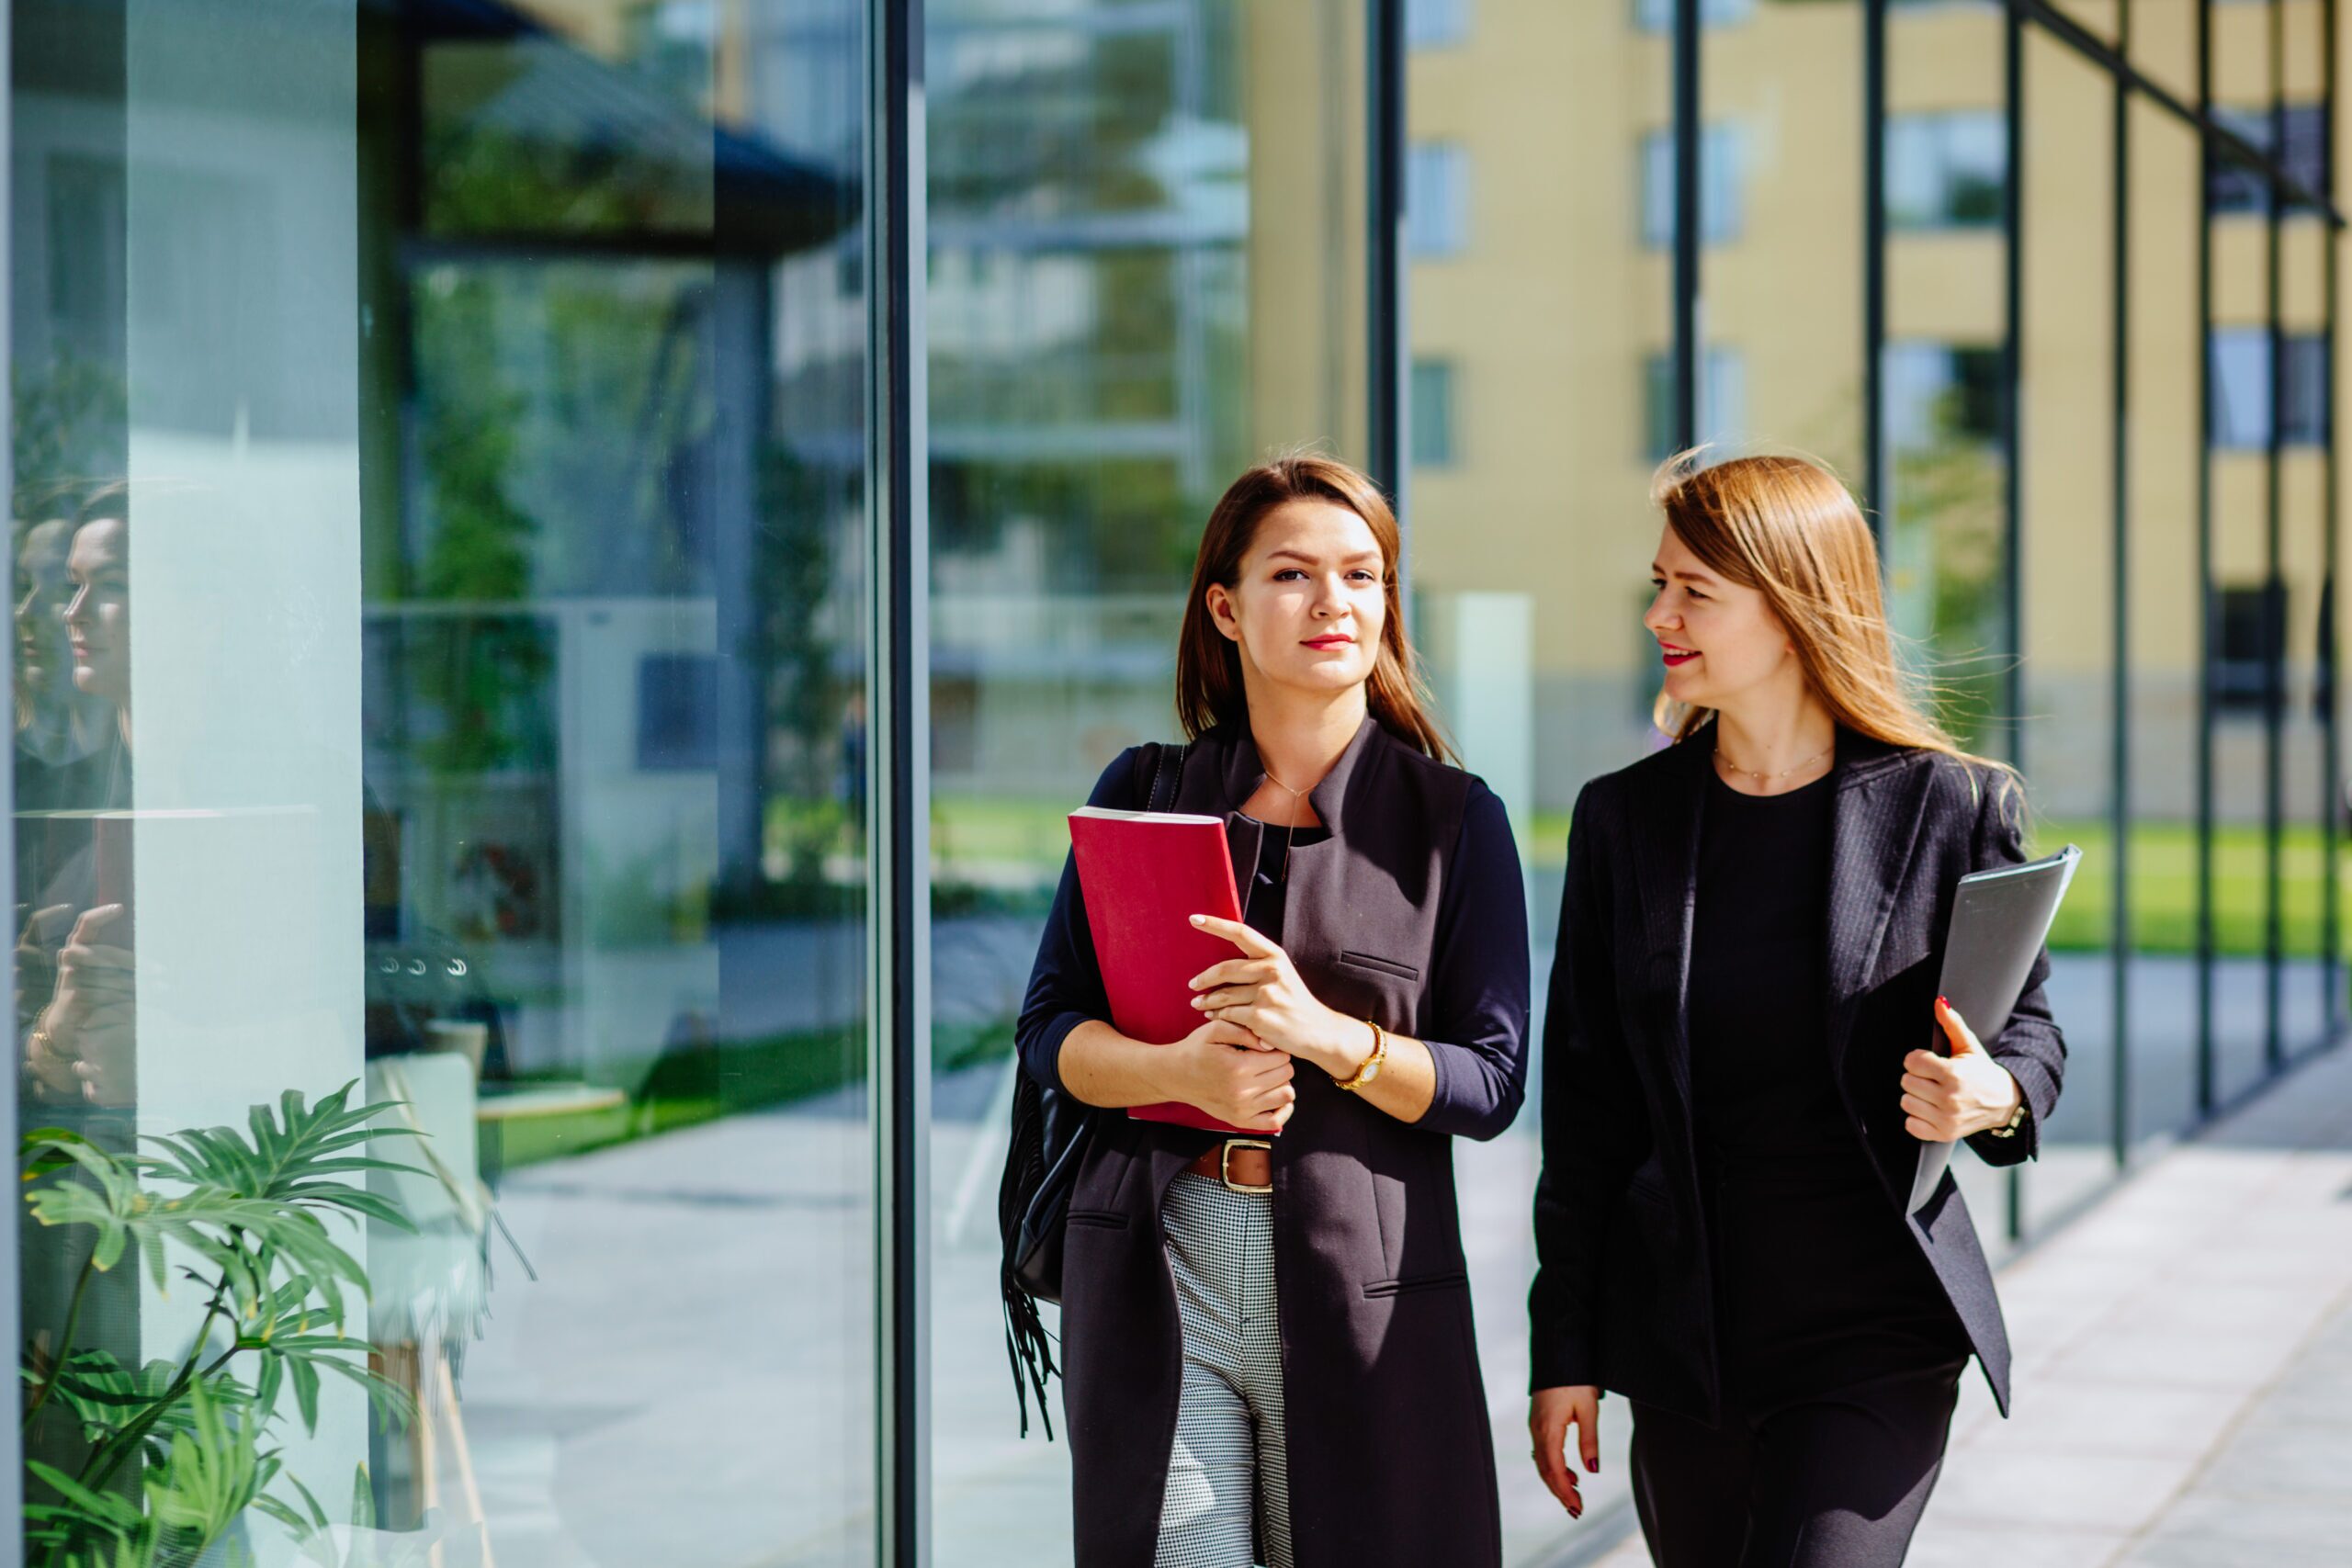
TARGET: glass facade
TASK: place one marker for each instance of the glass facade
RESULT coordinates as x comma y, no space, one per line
648,511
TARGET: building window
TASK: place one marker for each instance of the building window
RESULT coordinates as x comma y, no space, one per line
1437,199
1723,400
1657,16
1938,394
2241,370
1946,170
2235,187
2252,633
1432,413
1433,24
1722,157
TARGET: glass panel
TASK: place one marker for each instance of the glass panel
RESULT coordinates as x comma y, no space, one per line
2166,592
1944,525
2067,585
487,388
2246,645
1778,308
2302,888
1531,549
1147,269
2163,45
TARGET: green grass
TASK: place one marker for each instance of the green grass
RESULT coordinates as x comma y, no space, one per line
685,1087
2163,893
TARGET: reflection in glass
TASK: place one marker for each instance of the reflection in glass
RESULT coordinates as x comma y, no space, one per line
1146,270
2066,735
501,745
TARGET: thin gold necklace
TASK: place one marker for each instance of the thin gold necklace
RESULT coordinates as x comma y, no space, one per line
1767,778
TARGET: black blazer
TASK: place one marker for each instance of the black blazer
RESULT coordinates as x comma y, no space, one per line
1623,1297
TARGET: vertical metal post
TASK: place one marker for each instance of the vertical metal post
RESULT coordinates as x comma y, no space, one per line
2332,763
12,1446
899,776
2120,652
1877,502
1388,352
2012,434
2207,1087
1689,216
2274,585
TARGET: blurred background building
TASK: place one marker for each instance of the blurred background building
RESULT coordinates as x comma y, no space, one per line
508,391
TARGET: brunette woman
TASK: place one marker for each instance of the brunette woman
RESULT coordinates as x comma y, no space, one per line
1736,1072
1267,1342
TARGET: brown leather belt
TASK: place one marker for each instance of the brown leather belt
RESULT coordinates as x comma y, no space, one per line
1244,1165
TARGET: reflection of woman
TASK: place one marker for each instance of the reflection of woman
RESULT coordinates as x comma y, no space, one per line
1736,1081
1274,1342
57,723
74,960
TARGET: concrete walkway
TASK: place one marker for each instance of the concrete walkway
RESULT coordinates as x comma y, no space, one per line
2184,1365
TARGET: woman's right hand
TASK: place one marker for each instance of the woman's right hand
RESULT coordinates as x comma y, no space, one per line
1549,1415
1225,1070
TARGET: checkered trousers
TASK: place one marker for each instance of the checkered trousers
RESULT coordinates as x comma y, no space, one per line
1228,1499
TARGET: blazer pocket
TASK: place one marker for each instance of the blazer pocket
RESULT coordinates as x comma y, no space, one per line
1413,1285
1379,965
1646,1188
1099,1219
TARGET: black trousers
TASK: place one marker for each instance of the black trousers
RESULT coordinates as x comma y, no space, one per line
1840,1362
1837,1482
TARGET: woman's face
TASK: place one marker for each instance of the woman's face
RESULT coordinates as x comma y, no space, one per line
1720,640
42,651
98,618
1308,603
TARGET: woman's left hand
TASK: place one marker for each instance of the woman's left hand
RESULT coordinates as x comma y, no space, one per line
1262,992
1945,1098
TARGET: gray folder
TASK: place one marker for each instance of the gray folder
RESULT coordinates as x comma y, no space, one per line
1999,921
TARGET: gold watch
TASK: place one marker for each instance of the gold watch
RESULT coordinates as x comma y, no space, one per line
2008,1129
1371,1064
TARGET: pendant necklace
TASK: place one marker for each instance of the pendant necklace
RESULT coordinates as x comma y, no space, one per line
1290,828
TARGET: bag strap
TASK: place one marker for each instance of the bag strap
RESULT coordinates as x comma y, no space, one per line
1166,776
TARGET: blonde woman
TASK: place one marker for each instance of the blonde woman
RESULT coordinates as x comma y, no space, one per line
1736,1070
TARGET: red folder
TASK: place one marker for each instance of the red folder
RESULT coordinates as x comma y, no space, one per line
1145,873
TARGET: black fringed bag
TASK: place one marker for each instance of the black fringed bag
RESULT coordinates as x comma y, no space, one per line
1049,1137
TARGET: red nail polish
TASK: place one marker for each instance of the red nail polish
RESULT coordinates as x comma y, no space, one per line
1944,1002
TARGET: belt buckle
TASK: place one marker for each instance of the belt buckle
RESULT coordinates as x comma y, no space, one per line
1224,1164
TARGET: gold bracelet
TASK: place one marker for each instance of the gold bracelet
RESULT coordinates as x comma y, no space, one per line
1371,1068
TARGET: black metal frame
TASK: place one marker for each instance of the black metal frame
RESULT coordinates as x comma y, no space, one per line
1388,358
898,779
2120,649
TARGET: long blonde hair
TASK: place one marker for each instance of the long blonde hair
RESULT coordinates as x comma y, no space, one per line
1786,528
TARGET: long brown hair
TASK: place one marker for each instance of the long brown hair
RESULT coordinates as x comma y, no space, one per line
1786,528
1208,666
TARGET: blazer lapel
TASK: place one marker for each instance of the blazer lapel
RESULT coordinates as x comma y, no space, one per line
1873,833
1666,859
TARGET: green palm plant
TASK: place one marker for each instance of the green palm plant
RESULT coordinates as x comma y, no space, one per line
178,1450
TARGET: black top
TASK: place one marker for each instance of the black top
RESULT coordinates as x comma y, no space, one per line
1263,900
1761,1078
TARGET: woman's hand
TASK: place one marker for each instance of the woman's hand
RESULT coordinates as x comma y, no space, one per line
1226,1070
1945,1098
82,1048
1549,1415
1263,993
